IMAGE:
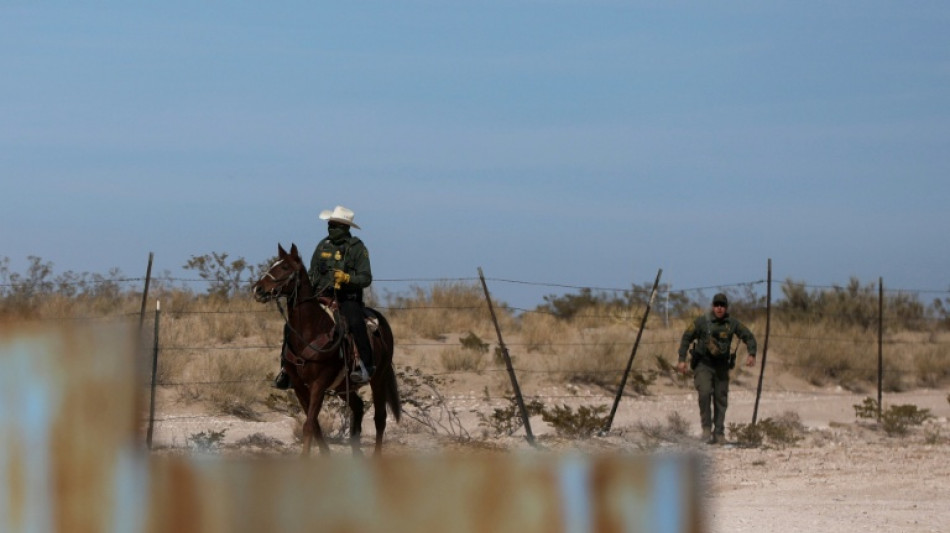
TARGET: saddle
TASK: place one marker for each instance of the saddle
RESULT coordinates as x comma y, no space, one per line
348,344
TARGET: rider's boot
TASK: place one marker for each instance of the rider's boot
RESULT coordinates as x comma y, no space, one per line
363,371
282,381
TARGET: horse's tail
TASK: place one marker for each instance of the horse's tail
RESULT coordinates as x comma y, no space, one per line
390,387
391,390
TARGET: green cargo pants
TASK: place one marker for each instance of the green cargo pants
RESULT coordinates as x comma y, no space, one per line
712,384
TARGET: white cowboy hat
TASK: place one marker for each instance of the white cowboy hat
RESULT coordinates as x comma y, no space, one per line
339,214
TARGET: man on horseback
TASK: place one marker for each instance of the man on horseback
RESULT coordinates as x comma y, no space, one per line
340,268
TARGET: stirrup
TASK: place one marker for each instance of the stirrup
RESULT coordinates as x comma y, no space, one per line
359,374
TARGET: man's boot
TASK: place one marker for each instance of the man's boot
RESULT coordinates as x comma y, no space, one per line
362,372
707,435
282,381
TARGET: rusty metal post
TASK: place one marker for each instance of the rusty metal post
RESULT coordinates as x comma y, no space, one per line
633,353
507,357
765,344
151,401
880,345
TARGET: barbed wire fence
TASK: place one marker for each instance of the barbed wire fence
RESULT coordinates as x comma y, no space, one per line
671,309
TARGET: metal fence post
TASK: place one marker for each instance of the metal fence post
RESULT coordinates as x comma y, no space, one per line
507,357
880,345
633,353
151,402
765,344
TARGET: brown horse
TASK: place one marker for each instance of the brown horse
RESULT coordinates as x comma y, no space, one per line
316,352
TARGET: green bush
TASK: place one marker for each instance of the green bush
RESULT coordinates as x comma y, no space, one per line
583,423
896,420
782,431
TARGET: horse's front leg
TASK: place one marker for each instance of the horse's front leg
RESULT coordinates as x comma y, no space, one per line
312,425
356,422
303,396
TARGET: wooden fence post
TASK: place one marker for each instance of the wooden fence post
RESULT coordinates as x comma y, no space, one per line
507,357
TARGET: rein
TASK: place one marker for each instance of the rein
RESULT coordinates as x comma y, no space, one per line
335,340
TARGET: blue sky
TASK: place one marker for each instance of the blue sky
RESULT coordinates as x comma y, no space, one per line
566,142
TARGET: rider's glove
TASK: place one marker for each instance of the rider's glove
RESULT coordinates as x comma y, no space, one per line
339,278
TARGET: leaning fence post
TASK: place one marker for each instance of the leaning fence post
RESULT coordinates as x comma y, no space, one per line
148,277
633,353
880,345
151,403
507,357
765,344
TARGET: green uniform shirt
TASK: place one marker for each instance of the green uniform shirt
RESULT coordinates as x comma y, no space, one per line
350,256
713,337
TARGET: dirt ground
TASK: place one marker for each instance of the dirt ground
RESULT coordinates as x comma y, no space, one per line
845,476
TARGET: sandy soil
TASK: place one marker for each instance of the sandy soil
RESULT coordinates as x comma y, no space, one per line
845,475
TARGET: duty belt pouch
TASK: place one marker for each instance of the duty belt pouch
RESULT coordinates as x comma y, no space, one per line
712,348
716,356
693,359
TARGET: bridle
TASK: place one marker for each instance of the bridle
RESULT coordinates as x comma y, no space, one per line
274,294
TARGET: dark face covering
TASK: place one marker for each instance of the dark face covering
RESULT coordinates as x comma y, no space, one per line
338,232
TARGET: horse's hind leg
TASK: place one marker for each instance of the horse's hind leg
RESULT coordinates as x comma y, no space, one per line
356,423
379,415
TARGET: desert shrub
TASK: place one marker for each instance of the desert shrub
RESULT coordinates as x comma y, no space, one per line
206,441
582,423
782,431
654,433
423,402
896,420
260,440
456,359
824,354
599,358
853,305
283,402
230,381
569,306
444,307
226,279
507,420
932,366
541,332
468,356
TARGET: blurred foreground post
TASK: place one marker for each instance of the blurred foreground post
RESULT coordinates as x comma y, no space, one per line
71,461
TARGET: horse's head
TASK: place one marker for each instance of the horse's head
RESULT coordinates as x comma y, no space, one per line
282,278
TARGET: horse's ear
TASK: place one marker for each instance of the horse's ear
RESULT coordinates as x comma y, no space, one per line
293,250
280,251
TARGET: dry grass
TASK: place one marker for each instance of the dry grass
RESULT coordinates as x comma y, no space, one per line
223,351
459,359
446,307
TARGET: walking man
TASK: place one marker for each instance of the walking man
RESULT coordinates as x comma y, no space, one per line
711,361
